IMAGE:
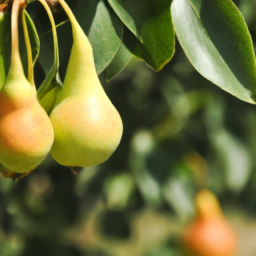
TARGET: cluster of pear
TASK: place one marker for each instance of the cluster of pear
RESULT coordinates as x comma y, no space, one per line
209,234
83,129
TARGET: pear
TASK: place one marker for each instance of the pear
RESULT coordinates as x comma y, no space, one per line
209,234
87,126
49,97
26,132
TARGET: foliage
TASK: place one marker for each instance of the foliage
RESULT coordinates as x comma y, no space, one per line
181,133
212,33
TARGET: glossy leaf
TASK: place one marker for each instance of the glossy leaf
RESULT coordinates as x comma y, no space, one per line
46,56
120,61
103,28
50,89
5,43
120,7
34,39
150,33
216,40
52,78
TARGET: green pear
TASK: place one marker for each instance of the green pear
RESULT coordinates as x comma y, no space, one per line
26,133
87,126
47,101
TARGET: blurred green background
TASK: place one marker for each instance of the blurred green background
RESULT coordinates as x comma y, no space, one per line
181,134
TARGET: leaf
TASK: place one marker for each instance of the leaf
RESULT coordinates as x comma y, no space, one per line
50,89
105,31
120,61
34,39
149,34
52,78
149,187
103,28
216,40
5,46
235,157
46,56
125,16
118,190
178,196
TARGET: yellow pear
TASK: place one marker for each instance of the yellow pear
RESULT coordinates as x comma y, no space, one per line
87,126
26,133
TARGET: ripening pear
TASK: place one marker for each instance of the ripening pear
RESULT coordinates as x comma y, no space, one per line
26,133
209,234
47,101
87,126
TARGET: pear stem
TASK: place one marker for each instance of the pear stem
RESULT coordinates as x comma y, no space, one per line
75,25
70,15
207,205
16,64
81,57
29,51
55,39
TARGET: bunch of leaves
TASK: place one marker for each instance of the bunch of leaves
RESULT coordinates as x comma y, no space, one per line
213,35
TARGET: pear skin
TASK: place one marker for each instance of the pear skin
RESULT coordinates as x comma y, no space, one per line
26,133
87,126
209,234
48,100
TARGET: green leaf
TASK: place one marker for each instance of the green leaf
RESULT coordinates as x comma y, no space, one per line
52,78
120,61
235,157
101,25
216,40
150,34
128,19
46,56
34,39
177,194
118,190
105,30
50,89
150,188
5,46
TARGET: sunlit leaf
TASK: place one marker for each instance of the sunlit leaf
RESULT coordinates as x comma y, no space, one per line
103,28
216,40
149,32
